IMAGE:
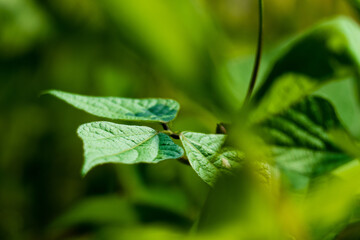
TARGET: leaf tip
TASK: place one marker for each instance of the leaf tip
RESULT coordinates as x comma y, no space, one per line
46,92
84,172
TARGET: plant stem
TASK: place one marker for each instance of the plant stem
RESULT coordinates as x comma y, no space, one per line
169,132
258,55
184,160
221,129
165,126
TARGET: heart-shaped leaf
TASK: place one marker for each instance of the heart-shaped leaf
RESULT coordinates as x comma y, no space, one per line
206,156
150,109
106,142
300,138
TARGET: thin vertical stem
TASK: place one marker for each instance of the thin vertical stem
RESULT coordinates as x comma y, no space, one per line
258,55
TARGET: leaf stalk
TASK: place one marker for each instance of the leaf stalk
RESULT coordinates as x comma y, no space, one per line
169,132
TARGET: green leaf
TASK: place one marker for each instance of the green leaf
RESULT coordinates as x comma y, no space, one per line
343,96
150,109
206,156
106,142
300,139
327,52
168,149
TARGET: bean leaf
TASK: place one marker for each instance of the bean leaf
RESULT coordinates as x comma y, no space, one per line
206,155
300,138
150,109
106,142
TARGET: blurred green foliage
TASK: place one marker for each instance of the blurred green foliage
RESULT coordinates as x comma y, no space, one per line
196,52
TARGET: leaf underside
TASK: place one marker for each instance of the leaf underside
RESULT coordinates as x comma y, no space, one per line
151,109
206,156
106,142
300,139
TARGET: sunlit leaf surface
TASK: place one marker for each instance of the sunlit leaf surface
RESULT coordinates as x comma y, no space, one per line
206,156
155,110
106,142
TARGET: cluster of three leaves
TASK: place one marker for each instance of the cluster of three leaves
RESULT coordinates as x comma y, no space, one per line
299,137
106,142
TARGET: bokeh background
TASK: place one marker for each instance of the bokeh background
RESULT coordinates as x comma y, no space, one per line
187,50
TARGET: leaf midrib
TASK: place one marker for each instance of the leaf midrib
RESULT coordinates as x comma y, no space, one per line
117,136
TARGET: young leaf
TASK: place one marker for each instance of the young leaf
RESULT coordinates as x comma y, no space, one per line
150,109
327,52
300,138
206,156
106,142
